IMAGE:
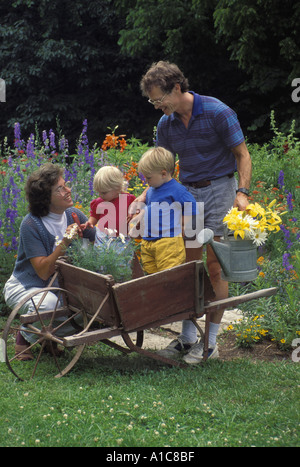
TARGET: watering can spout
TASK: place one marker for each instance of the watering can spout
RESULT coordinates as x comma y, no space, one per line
221,250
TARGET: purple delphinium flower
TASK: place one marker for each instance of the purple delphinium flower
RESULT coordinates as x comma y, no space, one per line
63,145
30,146
14,191
142,178
14,243
289,201
11,214
45,140
287,236
52,139
84,138
17,133
281,179
285,261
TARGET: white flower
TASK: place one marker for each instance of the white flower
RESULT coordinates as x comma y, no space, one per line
57,240
252,222
258,237
110,232
122,237
70,235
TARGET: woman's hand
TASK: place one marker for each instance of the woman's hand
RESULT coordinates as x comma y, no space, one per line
72,232
44,266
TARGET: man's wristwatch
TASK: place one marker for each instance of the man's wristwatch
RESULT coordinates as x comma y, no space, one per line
243,190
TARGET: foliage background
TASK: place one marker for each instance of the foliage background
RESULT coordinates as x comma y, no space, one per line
72,59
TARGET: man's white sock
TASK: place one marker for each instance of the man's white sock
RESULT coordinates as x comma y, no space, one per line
189,332
213,332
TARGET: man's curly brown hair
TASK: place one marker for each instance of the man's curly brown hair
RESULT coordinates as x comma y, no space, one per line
164,75
39,188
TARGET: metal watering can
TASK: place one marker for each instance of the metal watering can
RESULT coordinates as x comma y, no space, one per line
237,257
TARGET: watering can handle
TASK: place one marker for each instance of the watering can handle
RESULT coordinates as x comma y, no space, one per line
205,236
225,232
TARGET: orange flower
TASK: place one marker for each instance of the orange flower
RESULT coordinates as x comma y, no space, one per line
122,144
177,170
132,172
112,141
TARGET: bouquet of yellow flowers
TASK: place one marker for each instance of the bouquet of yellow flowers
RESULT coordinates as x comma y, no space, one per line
254,223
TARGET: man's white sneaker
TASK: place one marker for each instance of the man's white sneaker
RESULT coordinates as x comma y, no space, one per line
195,355
175,349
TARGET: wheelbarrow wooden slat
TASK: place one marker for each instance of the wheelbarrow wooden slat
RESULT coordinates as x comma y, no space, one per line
90,288
33,317
91,337
155,324
161,296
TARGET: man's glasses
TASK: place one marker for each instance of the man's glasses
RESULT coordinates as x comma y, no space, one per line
61,190
158,101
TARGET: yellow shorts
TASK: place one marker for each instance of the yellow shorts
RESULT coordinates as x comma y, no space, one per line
162,254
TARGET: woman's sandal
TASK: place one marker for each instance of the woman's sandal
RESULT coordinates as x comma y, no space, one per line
23,353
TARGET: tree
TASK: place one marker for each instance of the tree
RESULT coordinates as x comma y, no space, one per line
183,32
60,58
263,38
245,52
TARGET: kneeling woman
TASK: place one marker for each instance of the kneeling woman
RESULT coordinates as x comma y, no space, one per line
45,234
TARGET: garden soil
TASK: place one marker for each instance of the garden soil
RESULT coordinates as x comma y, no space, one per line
159,338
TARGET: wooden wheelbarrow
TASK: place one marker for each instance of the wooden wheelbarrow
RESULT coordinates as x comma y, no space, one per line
97,309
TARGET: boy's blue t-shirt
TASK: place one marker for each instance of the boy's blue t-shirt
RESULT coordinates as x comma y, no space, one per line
165,207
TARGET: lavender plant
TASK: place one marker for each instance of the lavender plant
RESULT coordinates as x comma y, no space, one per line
113,256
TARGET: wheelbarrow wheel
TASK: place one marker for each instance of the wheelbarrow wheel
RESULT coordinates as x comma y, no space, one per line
45,331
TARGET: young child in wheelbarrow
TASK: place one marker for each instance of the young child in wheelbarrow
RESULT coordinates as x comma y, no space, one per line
169,208
109,212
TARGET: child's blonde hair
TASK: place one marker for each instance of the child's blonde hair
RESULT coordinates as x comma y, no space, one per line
109,178
155,160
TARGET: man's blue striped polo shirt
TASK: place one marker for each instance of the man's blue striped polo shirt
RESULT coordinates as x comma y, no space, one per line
204,147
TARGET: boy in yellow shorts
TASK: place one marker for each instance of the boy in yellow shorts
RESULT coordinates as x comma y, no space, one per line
169,207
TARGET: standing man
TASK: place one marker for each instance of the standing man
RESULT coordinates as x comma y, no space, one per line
207,137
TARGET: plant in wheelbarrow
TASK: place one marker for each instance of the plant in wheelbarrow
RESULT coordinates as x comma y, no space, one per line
112,255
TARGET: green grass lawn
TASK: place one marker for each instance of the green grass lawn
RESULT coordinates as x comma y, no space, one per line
111,400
